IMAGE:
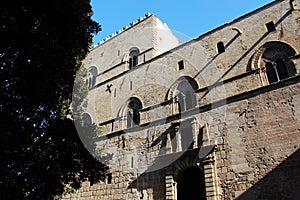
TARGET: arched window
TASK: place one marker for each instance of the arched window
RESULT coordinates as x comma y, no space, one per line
184,93
220,47
133,57
86,119
273,60
133,113
91,77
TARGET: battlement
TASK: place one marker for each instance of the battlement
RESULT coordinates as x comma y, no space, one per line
124,28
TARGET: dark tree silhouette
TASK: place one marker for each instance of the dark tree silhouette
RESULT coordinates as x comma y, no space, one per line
42,45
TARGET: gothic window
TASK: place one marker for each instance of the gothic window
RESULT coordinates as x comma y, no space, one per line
133,57
91,77
185,94
133,113
186,100
273,60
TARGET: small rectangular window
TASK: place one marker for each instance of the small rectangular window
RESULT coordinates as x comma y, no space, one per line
108,178
180,65
270,26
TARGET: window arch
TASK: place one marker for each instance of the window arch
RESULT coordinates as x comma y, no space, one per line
86,119
273,60
183,93
133,114
91,77
133,57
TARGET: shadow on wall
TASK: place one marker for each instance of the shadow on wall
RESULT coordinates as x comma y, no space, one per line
150,180
283,182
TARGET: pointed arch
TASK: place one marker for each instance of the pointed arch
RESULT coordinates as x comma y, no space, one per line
133,57
91,76
182,91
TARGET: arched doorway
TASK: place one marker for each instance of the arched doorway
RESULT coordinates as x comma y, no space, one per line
191,185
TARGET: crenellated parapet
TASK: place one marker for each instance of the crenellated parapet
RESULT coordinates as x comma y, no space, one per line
124,28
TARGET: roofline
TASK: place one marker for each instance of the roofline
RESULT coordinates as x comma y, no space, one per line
216,29
192,40
124,29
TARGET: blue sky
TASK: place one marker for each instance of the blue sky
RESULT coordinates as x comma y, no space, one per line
189,17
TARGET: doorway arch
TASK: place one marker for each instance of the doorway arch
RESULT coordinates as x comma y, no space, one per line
191,184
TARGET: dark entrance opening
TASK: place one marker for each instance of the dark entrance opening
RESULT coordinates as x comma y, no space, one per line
191,185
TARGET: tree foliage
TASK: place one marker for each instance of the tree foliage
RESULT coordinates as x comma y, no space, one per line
42,45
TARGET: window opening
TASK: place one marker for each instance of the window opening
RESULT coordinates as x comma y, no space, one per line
133,113
91,77
220,47
133,57
270,26
180,65
281,69
186,100
108,178
274,59
86,119
271,73
277,71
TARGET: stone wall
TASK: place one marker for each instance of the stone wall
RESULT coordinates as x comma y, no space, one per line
242,132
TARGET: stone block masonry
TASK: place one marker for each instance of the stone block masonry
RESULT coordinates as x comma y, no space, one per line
216,118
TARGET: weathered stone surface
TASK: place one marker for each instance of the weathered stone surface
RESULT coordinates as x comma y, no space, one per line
254,125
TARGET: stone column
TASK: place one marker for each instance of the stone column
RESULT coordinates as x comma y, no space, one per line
195,134
213,191
170,187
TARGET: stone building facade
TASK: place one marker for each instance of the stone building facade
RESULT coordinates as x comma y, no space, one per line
217,117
